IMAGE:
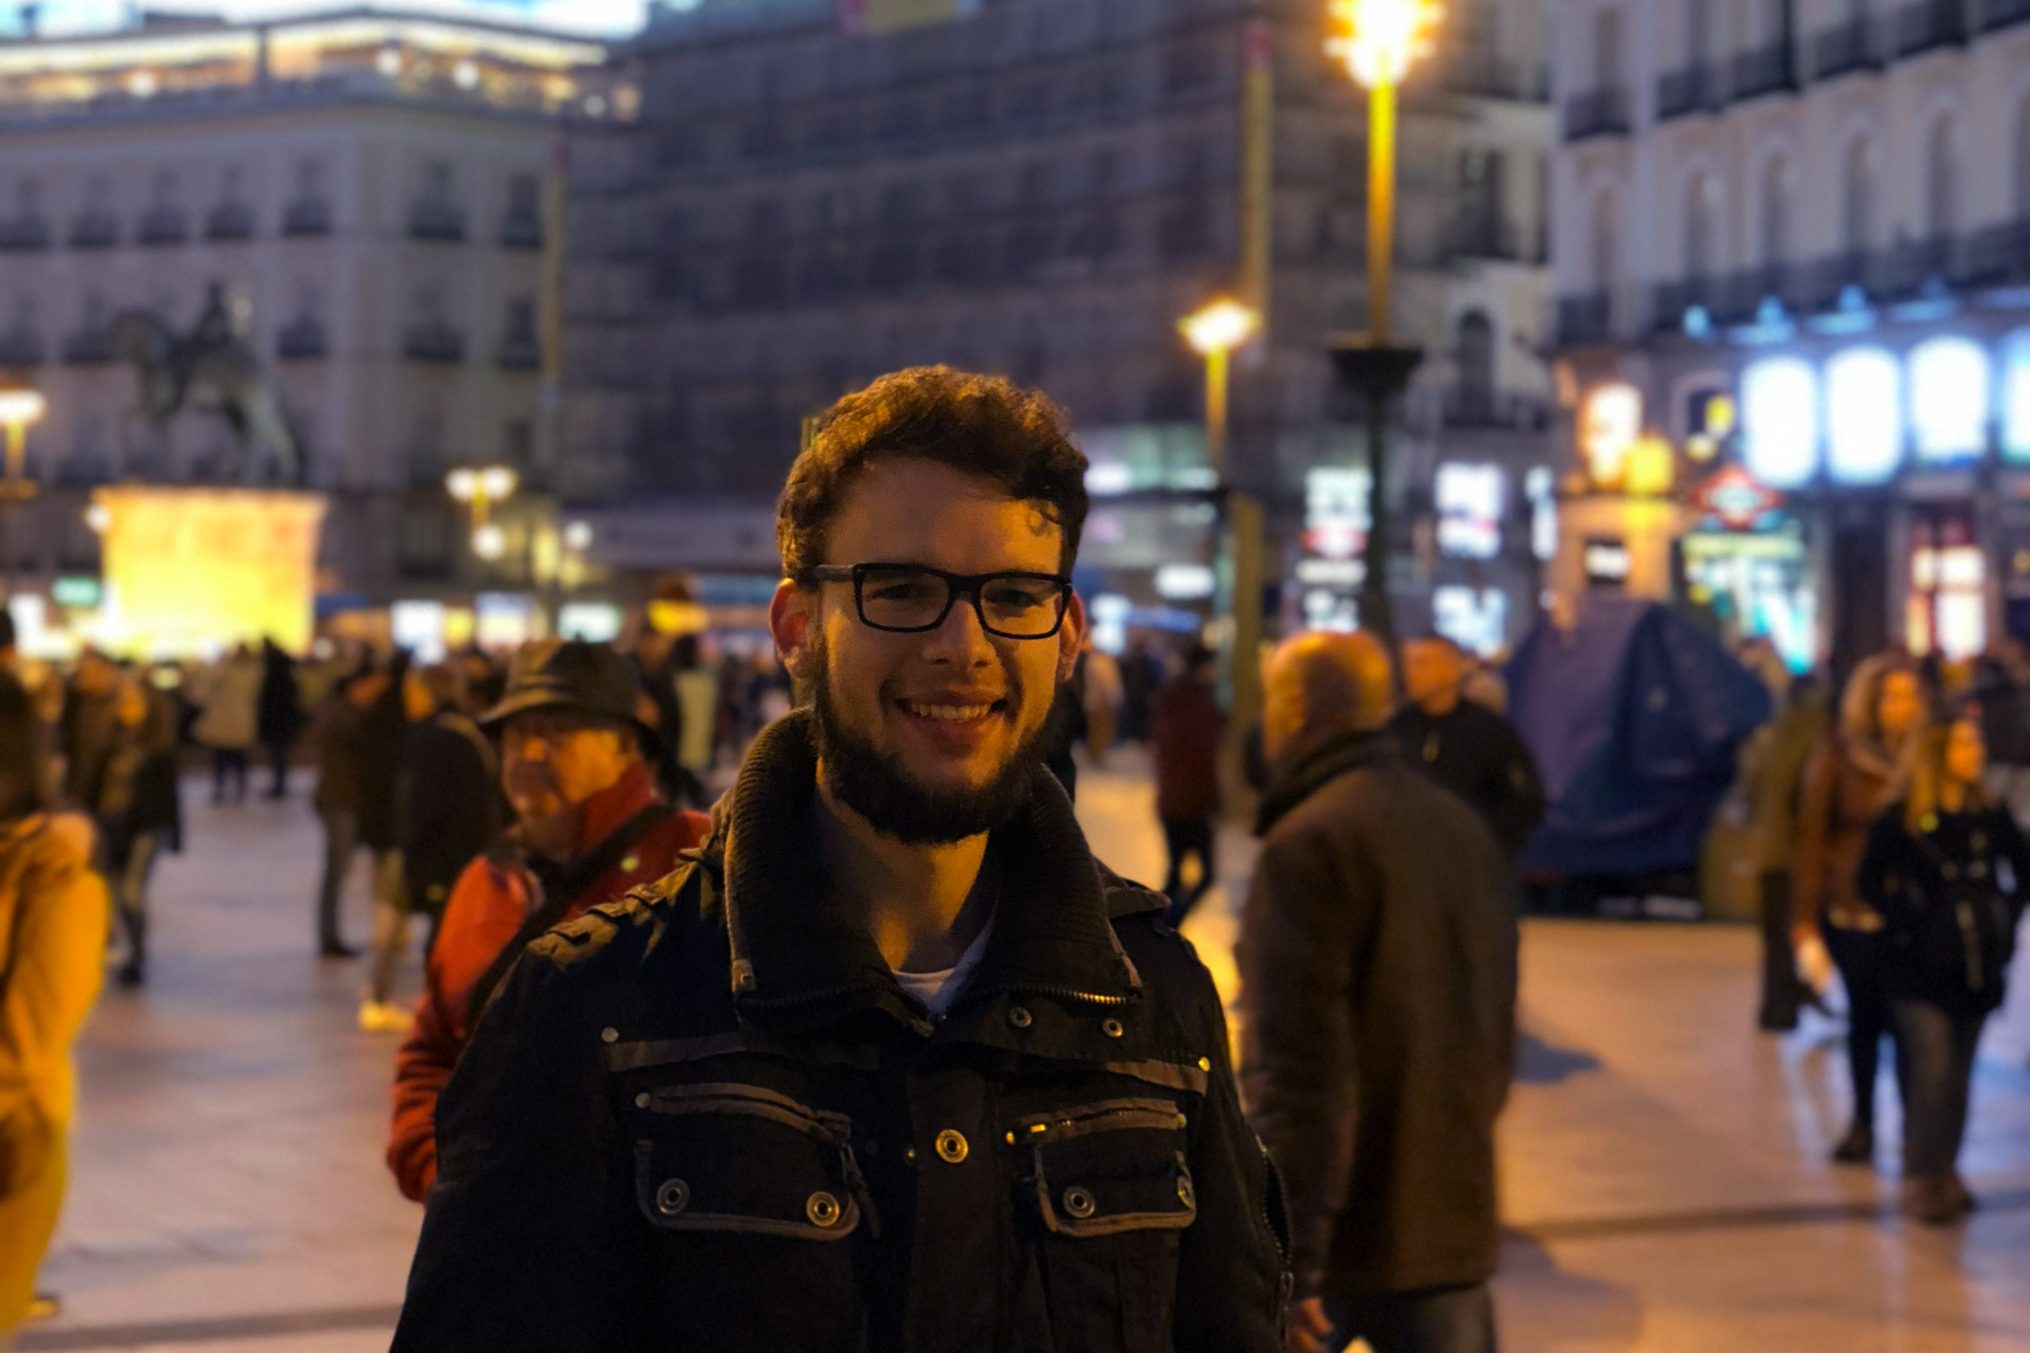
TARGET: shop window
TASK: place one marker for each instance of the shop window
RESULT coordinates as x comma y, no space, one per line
1947,612
1949,399
1541,486
1780,421
1864,416
1474,618
1470,502
2016,396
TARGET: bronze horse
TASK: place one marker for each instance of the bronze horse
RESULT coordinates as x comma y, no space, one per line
209,370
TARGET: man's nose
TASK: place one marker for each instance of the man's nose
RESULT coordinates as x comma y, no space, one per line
961,638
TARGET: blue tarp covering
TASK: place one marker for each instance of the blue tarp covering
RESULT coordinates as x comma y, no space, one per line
1635,717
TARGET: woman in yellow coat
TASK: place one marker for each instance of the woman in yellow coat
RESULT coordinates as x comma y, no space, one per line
53,921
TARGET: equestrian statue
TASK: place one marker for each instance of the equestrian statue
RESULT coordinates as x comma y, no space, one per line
209,370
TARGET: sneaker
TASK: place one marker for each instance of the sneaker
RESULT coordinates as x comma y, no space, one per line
1962,1196
336,949
44,1306
130,974
1857,1147
379,1017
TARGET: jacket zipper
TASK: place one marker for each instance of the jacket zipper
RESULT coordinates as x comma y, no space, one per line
1150,1118
1067,994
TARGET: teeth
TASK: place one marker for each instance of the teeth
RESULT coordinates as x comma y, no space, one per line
949,713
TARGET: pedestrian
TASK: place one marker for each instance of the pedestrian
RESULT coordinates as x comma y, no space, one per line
1466,746
588,828
1186,730
1772,772
53,923
1852,778
1947,869
1378,966
1142,680
138,810
85,731
697,692
894,1003
230,722
280,714
359,742
450,810
483,679
1101,690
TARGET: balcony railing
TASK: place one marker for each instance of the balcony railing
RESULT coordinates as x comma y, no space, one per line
518,352
1745,293
2000,255
24,233
521,230
1847,48
1468,406
163,225
1918,265
1670,301
229,221
1765,70
431,219
1931,24
21,348
434,342
95,230
1477,75
1488,236
1862,272
1585,319
2003,13
302,339
1603,112
306,216
89,347
1695,89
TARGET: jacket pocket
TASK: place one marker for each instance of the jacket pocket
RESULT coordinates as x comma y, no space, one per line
1110,1186
744,1159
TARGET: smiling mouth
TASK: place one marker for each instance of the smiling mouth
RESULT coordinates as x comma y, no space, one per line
951,713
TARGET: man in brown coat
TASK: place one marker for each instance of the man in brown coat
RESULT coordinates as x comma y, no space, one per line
1378,963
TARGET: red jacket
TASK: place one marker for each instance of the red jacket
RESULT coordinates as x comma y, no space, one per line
487,906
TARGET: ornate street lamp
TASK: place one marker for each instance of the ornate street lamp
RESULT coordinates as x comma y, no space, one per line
1378,41
480,488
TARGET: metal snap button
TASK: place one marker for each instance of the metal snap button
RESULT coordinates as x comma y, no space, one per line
952,1147
1111,1028
673,1197
1205,1064
823,1210
630,864
1078,1203
1185,1195
641,1101
609,1035
909,1154
1020,1018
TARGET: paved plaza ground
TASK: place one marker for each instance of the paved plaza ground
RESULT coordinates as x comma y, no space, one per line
1664,1176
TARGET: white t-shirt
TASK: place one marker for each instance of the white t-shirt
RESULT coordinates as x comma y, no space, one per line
937,990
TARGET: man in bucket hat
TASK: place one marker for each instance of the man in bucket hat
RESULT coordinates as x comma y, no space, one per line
588,828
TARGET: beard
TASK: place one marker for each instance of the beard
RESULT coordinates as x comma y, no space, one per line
880,788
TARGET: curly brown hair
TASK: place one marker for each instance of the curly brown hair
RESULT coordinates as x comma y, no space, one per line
980,425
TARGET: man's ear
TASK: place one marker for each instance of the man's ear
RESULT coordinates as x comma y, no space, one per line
1071,638
793,620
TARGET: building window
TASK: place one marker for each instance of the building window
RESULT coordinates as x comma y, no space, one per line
1949,398
2022,184
1776,185
1698,32
1606,252
1700,214
1864,416
1780,421
1607,49
1476,365
1857,197
1942,179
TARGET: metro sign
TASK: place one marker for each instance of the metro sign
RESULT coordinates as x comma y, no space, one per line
1736,498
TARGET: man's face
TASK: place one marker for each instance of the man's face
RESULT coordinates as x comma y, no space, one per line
1432,671
552,761
930,736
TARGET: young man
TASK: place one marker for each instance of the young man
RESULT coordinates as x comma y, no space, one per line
1465,747
588,828
1378,953
895,1064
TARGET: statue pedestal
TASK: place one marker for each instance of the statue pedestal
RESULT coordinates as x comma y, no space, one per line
189,570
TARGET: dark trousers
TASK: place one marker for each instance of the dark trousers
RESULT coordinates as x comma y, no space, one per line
127,875
1434,1320
278,758
229,768
1186,837
1863,961
341,839
1782,990
1935,1061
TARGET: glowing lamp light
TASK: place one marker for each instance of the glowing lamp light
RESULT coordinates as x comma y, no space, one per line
578,536
2016,396
1220,327
1949,398
99,517
1780,421
1609,424
489,542
1652,469
498,481
1379,40
1864,416
20,406
489,482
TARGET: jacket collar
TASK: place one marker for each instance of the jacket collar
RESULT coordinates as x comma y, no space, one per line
1347,752
794,947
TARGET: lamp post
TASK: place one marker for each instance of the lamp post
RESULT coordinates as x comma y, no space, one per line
1214,332
480,488
20,406
1378,40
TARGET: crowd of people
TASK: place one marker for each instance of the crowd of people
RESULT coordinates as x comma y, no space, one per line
745,978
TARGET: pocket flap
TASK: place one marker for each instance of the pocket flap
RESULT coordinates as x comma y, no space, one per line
1113,1167
752,1163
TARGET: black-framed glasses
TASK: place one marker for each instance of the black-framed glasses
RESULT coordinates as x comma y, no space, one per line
914,598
